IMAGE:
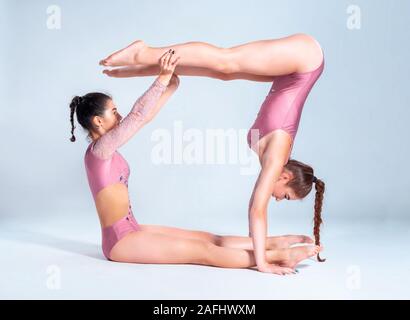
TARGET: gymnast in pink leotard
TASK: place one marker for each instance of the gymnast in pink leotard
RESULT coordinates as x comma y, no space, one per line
282,108
105,165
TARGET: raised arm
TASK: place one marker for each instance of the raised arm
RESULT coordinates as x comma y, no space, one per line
172,87
144,109
273,163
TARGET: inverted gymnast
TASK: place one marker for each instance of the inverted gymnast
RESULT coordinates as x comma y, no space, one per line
293,64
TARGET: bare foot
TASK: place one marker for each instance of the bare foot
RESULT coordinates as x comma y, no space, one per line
126,56
119,72
286,241
111,72
132,71
293,256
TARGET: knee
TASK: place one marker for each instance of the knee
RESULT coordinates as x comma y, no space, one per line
308,39
304,36
210,237
227,65
205,257
217,240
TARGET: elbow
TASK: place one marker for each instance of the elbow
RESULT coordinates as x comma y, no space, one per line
168,93
174,82
172,88
257,212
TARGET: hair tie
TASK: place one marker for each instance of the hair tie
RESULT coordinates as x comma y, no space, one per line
314,179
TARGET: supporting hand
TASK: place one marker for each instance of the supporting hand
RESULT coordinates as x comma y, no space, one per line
167,63
271,268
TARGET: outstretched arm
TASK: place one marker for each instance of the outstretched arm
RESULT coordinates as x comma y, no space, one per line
258,210
172,87
272,167
141,113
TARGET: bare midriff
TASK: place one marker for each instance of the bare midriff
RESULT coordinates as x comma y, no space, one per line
112,203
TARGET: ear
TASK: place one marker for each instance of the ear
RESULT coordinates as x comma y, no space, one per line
286,175
96,121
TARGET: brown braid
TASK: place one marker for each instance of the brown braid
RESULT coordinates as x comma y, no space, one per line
320,190
302,184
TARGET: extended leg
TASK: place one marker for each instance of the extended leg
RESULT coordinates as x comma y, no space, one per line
145,71
228,241
294,53
146,247
193,54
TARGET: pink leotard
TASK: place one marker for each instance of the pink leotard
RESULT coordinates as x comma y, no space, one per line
283,105
105,165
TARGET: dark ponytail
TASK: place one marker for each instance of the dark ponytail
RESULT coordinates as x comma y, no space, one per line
73,106
86,107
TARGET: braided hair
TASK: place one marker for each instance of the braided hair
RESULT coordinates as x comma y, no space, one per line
302,183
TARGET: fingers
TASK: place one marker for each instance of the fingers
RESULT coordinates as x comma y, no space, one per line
175,61
169,61
285,271
165,53
168,58
163,59
278,270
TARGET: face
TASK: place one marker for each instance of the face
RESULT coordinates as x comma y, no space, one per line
110,118
280,190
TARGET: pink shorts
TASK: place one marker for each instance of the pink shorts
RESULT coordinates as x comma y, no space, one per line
114,233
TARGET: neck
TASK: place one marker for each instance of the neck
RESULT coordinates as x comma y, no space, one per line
94,136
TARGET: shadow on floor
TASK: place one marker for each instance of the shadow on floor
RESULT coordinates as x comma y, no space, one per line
87,249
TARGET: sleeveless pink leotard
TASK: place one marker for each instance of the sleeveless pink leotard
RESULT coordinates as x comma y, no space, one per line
283,105
105,165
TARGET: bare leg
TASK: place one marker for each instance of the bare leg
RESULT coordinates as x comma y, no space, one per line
237,242
295,53
155,248
145,71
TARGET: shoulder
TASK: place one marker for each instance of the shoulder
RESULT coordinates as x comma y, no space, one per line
277,149
97,154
